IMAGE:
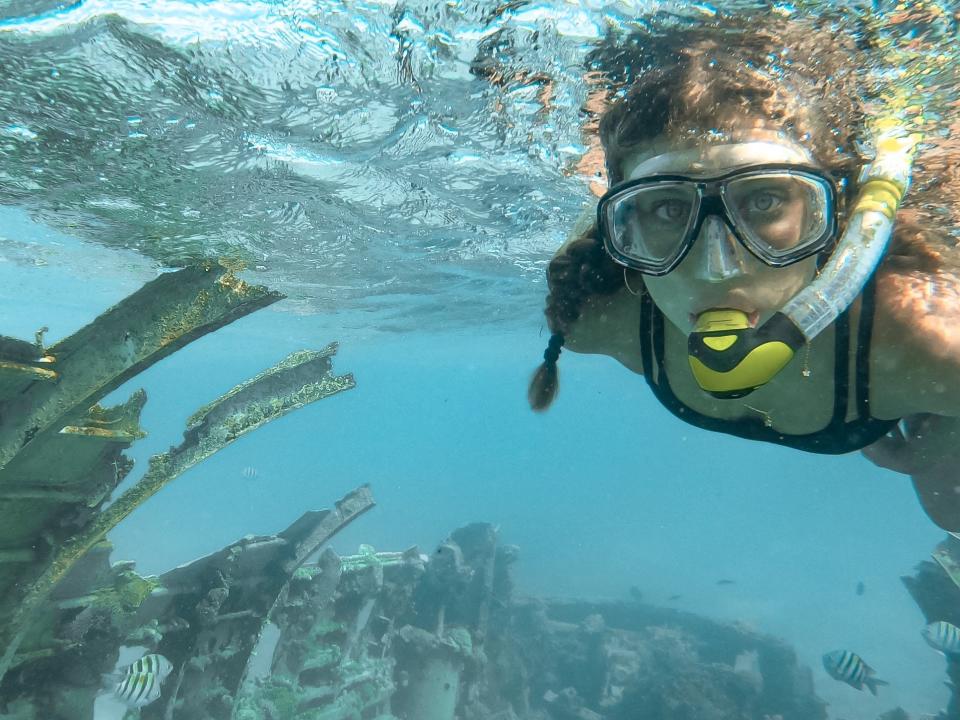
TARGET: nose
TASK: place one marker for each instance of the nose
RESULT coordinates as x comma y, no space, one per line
720,255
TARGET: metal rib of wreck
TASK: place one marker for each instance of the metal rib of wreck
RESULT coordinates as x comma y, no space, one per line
61,454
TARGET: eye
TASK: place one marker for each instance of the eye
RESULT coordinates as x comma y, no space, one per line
670,210
763,202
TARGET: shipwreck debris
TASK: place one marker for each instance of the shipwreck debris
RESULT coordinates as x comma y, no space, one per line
222,603
255,632
206,617
360,636
935,588
155,321
61,454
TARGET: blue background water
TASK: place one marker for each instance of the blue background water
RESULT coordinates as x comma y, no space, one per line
603,492
354,156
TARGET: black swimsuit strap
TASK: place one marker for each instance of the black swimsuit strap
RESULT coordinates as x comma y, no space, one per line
864,338
838,436
841,371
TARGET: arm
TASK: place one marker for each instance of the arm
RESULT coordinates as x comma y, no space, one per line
927,448
916,359
916,344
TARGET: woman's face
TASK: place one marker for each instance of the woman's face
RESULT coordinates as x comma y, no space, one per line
719,272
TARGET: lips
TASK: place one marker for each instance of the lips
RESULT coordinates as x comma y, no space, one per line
753,316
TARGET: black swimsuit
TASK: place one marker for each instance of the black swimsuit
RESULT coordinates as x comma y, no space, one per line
838,437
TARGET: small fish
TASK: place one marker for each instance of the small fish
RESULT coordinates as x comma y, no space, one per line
150,663
846,666
724,581
138,690
860,588
672,598
942,636
635,594
142,679
249,472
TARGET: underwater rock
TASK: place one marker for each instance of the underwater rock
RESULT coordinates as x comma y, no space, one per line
651,662
898,713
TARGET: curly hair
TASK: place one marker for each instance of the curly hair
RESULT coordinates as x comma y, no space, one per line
800,77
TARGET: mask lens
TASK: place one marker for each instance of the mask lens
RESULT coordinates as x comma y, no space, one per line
780,213
649,223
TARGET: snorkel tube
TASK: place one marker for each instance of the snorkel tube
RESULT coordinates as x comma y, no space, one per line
729,359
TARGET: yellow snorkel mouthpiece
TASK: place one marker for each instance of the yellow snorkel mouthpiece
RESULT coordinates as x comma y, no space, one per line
729,359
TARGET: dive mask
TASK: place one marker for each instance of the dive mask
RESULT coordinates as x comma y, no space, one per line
780,213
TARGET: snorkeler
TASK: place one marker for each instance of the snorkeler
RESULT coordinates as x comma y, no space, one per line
734,261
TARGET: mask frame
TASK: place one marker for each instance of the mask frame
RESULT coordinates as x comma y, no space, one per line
712,200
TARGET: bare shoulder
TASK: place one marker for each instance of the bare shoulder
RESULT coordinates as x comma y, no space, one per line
915,354
609,325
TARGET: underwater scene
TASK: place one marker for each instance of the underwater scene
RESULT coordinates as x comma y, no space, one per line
491,360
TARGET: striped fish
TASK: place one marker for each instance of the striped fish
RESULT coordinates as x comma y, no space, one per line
846,666
142,680
151,663
139,689
943,636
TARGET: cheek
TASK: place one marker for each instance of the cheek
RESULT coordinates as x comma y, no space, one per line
678,294
790,280
774,287
668,288
675,296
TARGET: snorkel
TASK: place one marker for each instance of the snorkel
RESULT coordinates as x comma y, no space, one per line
730,359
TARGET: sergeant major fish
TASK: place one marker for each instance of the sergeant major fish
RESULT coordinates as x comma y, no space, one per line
142,679
942,636
846,666
139,689
150,663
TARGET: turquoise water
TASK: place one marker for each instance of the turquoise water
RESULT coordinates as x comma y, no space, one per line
348,155
604,492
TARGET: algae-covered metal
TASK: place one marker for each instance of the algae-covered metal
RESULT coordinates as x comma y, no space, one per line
61,453
157,320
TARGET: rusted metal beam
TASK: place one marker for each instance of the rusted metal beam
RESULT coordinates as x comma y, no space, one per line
155,321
